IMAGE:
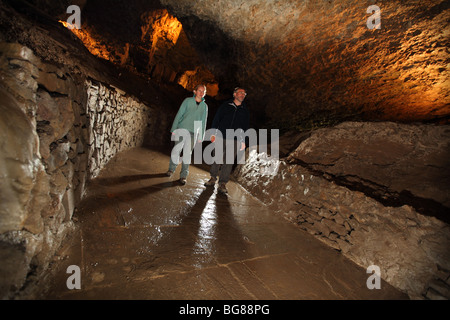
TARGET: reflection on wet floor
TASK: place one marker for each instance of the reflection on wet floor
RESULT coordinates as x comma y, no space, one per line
143,235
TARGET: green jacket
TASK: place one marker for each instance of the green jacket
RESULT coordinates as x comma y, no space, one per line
190,112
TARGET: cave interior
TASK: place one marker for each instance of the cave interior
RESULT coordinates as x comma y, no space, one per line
323,73
305,64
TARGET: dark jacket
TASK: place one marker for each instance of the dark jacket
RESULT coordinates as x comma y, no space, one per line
230,116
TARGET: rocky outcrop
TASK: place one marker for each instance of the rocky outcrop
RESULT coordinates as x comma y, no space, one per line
40,180
145,38
395,164
333,186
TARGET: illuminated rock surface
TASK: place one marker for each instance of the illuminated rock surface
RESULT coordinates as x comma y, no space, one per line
318,61
73,101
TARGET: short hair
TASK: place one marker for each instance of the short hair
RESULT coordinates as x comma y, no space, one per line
239,88
200,85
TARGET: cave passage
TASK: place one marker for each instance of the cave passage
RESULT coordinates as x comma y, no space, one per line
360,94
142,235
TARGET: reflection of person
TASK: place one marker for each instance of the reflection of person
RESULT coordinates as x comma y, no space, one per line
191,110
232,114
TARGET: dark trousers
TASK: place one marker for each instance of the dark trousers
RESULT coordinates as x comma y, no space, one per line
224,170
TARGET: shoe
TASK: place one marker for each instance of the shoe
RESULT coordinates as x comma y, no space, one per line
222,188
210,182
183,181
169,173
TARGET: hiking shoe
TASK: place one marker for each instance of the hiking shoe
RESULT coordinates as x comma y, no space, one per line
210,182
169,173
183,181
222,188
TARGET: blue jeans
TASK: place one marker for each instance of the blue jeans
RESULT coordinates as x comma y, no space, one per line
176,151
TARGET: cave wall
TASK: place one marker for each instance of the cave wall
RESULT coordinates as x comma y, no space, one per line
343,185
392,161
65,114
116,123
42,152
145,37
58,130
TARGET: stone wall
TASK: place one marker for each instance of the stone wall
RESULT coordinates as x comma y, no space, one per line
116,122
411,249
57,130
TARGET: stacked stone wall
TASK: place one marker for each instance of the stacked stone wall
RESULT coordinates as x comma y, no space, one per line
116,122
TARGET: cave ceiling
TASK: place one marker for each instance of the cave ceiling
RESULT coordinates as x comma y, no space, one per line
318,60
303,62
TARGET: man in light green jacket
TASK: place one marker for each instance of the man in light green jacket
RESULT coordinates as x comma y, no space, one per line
191,110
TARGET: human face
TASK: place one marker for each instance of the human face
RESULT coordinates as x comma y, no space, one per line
239,95
200,93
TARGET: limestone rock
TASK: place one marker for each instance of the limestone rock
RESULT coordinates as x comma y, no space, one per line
53,140
408,246
14,268
57,113
315,63
18,146
120,125
53,83
389,159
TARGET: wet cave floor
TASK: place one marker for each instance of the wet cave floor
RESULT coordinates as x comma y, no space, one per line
141,235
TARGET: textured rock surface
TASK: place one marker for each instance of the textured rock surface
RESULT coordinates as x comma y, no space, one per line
318,61
410,248
35,209
60,124
389,160
144,37
305,63
116,123
58,129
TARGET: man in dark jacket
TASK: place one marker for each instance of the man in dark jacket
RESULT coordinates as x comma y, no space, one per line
234,115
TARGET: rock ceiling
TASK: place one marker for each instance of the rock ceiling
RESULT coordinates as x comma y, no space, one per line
305,63
318,60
